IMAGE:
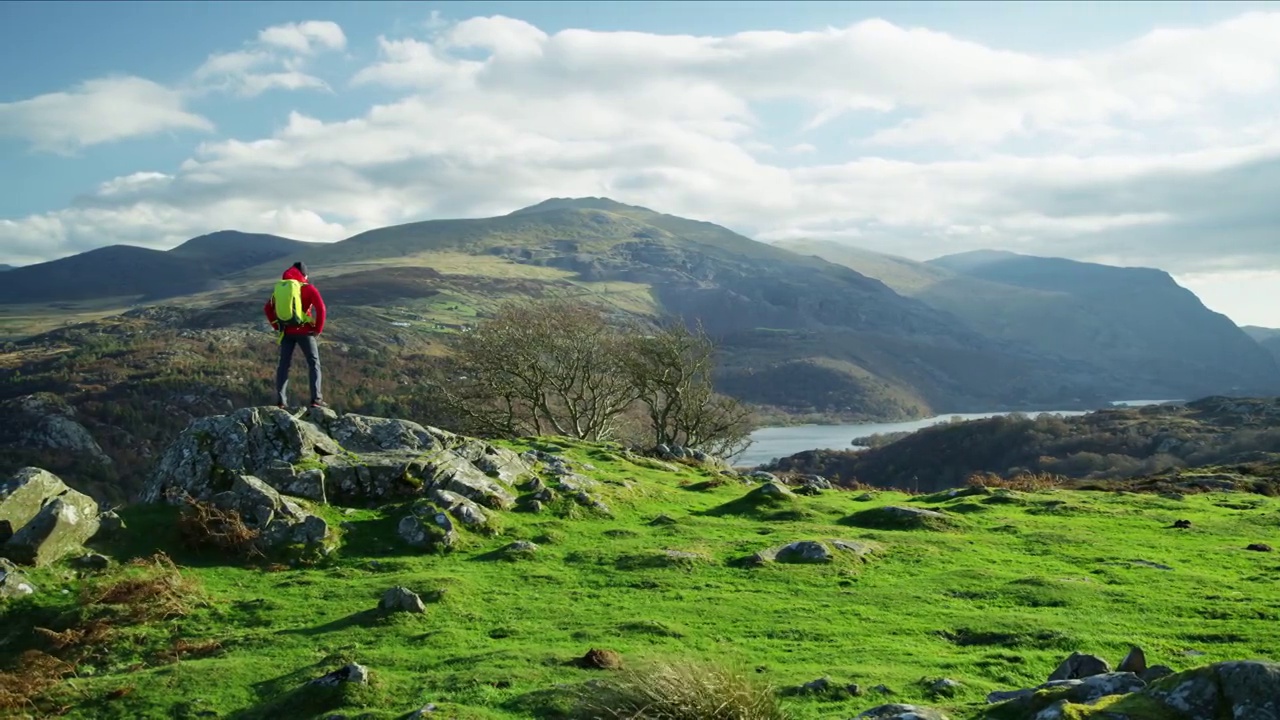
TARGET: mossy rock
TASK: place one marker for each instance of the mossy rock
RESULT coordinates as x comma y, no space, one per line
1243,690
896,517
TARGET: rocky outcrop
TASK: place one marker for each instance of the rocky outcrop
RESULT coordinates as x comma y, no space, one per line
770,490
351,460
1244,690
428,528
691,456
813,551
901,712
279,521
894,517
23,496
42,520
45,422
354,673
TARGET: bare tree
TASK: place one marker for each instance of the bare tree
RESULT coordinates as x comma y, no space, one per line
672,370
535,368
559,367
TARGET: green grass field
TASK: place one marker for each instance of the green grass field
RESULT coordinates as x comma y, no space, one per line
994,596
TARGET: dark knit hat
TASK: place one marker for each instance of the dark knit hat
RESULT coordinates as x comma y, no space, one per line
301,266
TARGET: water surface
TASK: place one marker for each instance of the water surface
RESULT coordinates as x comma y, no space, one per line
776,442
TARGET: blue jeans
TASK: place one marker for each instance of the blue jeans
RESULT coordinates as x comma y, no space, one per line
311,351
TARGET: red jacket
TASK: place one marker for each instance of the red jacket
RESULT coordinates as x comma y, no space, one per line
311,303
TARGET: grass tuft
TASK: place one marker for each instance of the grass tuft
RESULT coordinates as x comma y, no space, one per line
107,610
36,673
679,691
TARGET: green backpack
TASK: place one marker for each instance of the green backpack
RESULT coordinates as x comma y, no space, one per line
287,301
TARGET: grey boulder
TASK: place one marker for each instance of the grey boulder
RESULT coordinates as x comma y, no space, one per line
42,520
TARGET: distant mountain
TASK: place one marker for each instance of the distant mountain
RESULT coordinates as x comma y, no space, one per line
116,271
1268,338
1260,333
128,272
1137,327
798,333
228,251
5,267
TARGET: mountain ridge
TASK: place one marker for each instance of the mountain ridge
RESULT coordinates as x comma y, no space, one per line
801,334
738,288
1268,338
144,274
1136,324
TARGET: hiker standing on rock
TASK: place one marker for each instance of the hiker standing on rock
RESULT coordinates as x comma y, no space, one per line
296,311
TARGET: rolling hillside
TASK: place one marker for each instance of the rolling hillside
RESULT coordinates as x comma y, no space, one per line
228,251
770,601
801,338
133,273
800,334
1135,326
118,271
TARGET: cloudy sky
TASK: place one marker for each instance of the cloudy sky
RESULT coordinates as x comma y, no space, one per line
1128,133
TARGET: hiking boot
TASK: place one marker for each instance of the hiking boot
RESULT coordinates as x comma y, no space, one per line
319,404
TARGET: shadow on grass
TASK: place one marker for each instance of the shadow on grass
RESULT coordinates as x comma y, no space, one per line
900,518
154,528
706,485
755,505
376,536
290,695
364,618
150,529
554,704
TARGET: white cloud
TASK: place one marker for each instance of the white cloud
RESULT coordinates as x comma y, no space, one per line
136,183
306,37
115,108
95,112
1164,150
275,61
960,92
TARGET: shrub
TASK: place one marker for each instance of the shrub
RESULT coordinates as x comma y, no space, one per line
1022,482
680,691
204,526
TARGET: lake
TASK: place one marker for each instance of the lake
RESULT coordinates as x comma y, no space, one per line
777,442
